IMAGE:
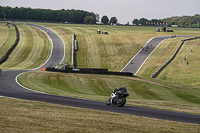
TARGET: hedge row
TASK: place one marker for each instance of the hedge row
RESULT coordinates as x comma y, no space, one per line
5,57
89,71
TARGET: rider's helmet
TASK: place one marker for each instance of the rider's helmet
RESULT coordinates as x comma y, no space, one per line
123,86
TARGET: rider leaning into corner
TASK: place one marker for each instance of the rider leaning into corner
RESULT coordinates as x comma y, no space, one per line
118,97
123,91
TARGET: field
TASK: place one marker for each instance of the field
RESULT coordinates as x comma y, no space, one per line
177,70
7,38
143,92
32,51
28,116
110,51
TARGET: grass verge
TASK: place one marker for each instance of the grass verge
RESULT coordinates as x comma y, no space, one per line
29,116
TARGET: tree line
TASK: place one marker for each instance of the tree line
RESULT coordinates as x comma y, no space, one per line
184,21
81,17
73,16
180,21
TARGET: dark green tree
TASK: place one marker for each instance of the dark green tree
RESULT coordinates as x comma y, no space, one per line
89,20
104,20
143,21
113,20
135,22
97,17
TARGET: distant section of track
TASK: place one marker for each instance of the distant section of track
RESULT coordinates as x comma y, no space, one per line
139,59
58,48
9,88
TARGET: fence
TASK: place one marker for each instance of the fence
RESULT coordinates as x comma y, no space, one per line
74,49
89,71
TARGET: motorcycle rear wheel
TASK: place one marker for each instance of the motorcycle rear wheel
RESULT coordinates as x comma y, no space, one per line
121,102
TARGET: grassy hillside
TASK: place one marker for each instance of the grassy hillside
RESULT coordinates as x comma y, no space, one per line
189,74
153,94
113,51
7,37
177,70
110,51
32,50
159,57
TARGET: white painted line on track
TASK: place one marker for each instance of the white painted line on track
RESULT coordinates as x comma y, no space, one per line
24,86
47,93
62,42
40,67
44,63
52,46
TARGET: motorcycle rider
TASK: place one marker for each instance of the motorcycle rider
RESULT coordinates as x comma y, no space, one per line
122,89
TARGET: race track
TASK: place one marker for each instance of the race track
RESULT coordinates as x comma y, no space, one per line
10,88
139,59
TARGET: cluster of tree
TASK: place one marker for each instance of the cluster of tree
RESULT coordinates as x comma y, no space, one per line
74,16
105,20
136,22
146,22
184,21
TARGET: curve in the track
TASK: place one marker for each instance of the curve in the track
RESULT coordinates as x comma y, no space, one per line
9,88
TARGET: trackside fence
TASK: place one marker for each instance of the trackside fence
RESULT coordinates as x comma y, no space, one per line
74,49
89,71
5,57
172,58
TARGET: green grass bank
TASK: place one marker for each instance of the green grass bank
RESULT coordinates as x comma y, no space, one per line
32,51
28,116
143,92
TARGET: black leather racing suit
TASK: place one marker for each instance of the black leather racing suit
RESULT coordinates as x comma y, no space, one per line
122,89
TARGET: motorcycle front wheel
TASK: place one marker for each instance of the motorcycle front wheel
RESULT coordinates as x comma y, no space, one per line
121,102
108,102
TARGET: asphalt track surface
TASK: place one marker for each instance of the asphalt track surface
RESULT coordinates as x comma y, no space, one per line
10,88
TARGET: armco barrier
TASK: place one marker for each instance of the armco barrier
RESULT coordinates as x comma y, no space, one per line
89,71
161,68
5,57
74,49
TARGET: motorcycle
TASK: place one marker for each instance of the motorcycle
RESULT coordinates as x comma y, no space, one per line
116,99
